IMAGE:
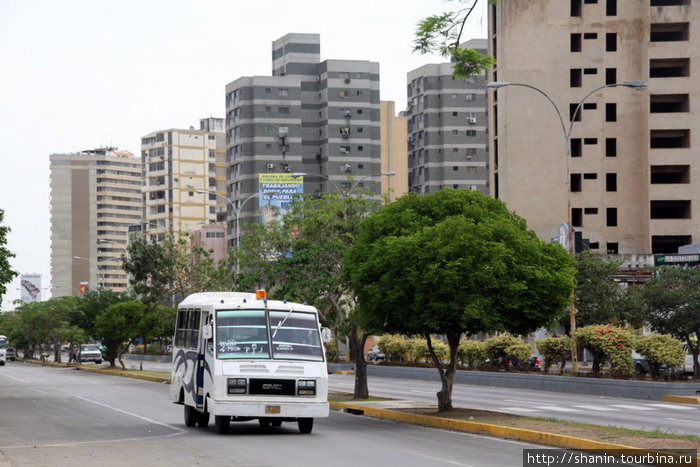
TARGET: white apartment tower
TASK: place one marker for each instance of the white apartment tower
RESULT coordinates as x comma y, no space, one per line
630,178
184,174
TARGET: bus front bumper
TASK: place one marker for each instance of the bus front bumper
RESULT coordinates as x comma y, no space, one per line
275,409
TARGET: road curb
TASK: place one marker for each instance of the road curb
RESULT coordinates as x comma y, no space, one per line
536,437
681,399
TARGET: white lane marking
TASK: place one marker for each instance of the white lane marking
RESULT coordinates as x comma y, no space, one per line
15,378
672,407
423,392
432,458
554,408
597,408
681,420
521,401
146,419
633,407
518,409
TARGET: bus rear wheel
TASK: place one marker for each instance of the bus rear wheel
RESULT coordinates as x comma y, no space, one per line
305,425
221,422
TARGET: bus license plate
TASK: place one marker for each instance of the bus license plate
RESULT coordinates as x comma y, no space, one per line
272,409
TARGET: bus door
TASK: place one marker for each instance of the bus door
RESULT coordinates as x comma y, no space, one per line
204,336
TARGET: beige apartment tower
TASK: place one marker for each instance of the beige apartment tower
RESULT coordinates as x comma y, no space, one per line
629,178
184,173
394,156
95,198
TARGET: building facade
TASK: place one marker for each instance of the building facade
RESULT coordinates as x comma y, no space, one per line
394,157
311,117
184,176
624,173
95,197
447,128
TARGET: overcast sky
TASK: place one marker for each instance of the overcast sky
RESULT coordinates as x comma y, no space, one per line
81,74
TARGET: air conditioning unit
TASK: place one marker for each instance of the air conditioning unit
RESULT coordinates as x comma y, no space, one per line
469,97
270,165
471,120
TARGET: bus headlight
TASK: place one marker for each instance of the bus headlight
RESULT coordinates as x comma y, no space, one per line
306,387
237,385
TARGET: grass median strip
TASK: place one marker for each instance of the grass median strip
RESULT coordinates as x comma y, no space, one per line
476,420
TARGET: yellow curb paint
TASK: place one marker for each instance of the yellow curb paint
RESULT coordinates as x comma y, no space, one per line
681,399
345,372
537,437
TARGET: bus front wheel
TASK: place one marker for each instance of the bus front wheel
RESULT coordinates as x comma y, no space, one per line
221,422
191,416
305,425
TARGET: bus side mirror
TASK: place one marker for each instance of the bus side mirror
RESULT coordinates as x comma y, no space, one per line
207,332
325,335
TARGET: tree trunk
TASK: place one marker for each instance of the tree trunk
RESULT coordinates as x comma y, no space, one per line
447,372
357,347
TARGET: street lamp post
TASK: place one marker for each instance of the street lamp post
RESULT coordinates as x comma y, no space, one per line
352,186
236,211
638,85
100,281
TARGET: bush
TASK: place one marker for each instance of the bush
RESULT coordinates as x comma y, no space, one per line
396,348
502,349
519,352
332,350
472,352
556,349
608,343
661,349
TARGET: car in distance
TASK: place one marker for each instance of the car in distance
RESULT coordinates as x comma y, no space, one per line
375,354
10,354
90,353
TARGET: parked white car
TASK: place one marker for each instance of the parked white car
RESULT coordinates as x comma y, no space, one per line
90,353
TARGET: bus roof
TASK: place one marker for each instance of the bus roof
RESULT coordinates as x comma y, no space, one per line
236,299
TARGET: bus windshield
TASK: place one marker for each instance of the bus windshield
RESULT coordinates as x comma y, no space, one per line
245,334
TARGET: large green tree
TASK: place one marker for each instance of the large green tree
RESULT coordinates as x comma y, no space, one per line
442,34
598,296
6,272
452,263
300,258
673,307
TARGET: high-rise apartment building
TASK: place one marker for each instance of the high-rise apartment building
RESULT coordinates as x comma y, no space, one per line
628,177
320,118
184,173
447,128
95,197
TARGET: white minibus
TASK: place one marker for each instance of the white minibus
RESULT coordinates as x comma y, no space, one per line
239,357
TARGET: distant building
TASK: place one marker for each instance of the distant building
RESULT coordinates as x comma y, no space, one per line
95,197
211,237
183,171
312,117
447,128
630,180
394,157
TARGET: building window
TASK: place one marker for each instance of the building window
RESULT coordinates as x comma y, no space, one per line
611,9
574,116
575,42
283,110
471,132
576,217
611,217
610,42
575,182
611,182
282,92
610,112
590,211
575,78
575,147
575,7
610,75
610,147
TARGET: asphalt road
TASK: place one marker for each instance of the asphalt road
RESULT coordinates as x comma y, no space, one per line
63,417
632,413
